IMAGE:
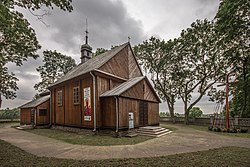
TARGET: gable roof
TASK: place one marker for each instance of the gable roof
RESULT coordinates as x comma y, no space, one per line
122,87
119,90
90,65
36,102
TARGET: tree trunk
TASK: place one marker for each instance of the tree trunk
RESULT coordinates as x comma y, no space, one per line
186,118
170,103
171,110
186,112
0,101
244,87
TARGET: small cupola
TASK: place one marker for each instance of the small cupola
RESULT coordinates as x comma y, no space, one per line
86,50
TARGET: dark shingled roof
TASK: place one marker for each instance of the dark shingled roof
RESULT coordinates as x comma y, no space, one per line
123,87
90,65
36,102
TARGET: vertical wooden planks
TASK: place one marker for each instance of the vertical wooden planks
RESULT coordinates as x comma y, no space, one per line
42,120
25,115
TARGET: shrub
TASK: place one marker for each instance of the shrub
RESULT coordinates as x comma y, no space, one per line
243,130
9,114
210,128
233,130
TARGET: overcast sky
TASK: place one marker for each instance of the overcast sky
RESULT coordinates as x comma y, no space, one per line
110,22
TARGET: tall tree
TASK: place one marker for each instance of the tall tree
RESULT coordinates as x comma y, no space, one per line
7,84
55,66
99,51
232,24
200,64
195,112
240,103
18,40
159,57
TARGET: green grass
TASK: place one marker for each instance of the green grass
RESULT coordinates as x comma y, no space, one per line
204,128
4,124
227,156
168,126
88,138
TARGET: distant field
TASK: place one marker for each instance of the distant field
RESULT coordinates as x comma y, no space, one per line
227,157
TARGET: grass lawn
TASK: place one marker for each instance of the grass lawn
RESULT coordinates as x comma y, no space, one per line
204,128
88,138
4,124
227,156
168,126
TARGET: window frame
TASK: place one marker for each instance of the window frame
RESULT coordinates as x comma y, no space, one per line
43,112
59,98
76,95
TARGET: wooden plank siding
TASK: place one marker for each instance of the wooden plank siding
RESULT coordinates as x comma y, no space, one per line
135,92
43,120
123,64
52,96
148,93
25,116
113,83
134,69
129,102
141,91
118,65
59,114
132,105
108,112
68,113
103,85
72,111
153,113
125,106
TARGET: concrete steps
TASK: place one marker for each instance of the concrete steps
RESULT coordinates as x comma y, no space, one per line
153,131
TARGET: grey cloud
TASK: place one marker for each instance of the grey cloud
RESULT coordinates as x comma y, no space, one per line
178,15
108,24
207,9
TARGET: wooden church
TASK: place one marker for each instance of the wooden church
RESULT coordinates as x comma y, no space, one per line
106,91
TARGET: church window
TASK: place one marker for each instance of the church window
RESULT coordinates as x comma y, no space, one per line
42,112
76,97
59,98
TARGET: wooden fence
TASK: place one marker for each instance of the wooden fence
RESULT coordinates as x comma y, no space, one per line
235,122
9,120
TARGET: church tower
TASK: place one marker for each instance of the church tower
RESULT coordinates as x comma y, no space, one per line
86,50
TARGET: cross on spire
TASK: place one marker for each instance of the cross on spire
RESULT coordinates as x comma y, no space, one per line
129,38
86,31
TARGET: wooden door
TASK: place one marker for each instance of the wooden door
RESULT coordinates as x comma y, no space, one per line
143,113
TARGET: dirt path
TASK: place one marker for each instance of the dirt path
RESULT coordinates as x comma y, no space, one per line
183,140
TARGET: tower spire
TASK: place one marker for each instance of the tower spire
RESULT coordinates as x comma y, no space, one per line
86,50
86,31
